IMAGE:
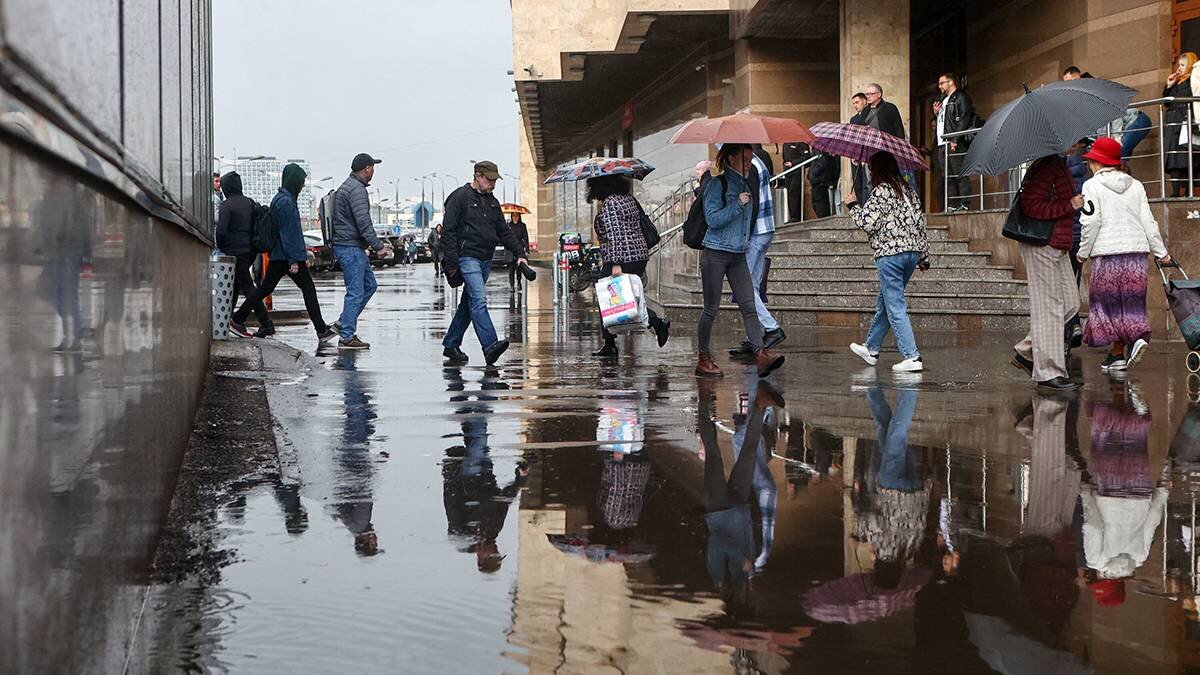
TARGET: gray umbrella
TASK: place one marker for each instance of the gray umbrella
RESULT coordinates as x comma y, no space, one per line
1045,121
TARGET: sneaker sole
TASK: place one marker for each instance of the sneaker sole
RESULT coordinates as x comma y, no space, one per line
1136,355
354,348
908,369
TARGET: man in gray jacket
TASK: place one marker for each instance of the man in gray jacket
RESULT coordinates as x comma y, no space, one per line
353,233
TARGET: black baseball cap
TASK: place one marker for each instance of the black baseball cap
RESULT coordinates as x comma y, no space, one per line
362,160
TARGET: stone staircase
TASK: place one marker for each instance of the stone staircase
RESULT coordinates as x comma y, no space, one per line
823,274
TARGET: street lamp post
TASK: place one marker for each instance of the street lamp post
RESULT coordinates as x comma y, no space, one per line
516,195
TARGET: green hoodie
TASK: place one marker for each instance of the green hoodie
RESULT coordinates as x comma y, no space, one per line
293,179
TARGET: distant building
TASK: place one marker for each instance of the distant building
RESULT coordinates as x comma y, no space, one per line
260,181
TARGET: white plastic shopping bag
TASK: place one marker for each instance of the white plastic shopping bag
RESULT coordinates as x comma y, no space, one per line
619,430
622,303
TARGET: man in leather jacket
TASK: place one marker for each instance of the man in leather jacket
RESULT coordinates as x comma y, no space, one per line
955,112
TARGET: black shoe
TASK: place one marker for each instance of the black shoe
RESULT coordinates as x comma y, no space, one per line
609,350
662,329
455,355
1057,384
264,332
773,337
323,337
1022,363
744,349
494,352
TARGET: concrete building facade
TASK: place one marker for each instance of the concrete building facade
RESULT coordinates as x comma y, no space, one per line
105,221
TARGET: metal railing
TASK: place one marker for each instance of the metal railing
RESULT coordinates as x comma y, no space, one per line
1160,128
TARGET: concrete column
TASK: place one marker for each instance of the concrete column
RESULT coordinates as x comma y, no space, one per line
535,196
874,48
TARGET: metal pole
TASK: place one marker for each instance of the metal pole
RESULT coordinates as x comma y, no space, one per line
946,178
1162,151
555,275
803,170
980,192
1191,130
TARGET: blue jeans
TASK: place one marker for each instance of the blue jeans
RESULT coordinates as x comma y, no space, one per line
1134,133
900,468
360,286
756,257
472,306
891,309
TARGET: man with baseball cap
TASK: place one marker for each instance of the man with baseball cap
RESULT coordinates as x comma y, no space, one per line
472,226
353,233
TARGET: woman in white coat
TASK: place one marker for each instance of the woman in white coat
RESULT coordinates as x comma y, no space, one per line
1118,230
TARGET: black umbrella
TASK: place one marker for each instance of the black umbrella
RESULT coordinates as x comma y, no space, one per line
1045,121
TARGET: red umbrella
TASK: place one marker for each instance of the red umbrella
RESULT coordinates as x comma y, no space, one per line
855,599
743,128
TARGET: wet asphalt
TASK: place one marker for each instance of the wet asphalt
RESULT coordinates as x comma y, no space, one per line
567,514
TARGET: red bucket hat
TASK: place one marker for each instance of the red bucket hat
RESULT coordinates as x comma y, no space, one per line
1105,151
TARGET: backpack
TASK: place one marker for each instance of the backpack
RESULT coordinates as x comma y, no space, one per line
695,227
265,234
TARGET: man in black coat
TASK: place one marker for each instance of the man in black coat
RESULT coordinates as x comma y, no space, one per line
857,170
885,116
954,112
793,154
235,226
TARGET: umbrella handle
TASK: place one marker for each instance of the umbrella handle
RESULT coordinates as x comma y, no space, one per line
1088,209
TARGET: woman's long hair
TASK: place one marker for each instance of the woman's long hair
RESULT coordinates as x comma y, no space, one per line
725,155
885,170
602,187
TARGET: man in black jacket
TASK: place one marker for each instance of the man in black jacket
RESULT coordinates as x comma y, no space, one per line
885,116
794,154
858,171
823,175
471,228
955,112
235,225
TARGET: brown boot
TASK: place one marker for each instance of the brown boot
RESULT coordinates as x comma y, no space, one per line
705,367
767,362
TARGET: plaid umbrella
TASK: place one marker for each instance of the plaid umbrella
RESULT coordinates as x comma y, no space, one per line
581,548
855,599
601,166
1045,121
859,142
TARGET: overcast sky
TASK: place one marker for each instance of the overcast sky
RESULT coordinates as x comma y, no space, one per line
421,84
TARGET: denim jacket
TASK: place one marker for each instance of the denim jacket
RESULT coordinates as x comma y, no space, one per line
289,245
728,226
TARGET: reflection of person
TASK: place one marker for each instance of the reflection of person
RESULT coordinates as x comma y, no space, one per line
894,523
355,471
476,506
762,483
66,215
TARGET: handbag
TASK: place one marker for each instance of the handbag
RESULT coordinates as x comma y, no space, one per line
649,231
1022,228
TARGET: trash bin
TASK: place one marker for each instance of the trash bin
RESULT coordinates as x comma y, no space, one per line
221,275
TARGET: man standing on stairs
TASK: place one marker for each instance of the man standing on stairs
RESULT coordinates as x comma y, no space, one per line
762,220
885,116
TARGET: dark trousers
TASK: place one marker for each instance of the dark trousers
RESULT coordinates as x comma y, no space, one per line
303,280
437,262
243,285
862,190
715,267
638,268
820,200
795,195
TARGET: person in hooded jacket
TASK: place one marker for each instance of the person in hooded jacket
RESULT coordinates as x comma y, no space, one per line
1118,230
235,227
288,256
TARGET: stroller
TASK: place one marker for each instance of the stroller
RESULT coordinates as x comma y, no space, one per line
1183,297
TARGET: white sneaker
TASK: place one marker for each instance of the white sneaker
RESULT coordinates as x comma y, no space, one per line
1136,352
864,353
912,365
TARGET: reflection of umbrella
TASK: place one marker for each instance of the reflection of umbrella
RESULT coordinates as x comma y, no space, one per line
513,208
601,166
1043,122
859,142
743,128
580,547
855,599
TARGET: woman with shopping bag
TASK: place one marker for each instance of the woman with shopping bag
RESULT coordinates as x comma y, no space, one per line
1117,231
623,246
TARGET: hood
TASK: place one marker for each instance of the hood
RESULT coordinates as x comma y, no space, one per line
231,184
293,179
1117,181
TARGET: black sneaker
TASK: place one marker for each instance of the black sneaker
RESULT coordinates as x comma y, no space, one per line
494,352
609,350
326,336
744,349
662,330
773,337
239,329
455,355
1112,362
1022,363
264,332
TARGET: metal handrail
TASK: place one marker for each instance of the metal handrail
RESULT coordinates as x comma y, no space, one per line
797,167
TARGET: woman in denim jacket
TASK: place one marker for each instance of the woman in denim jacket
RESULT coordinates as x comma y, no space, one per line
727,214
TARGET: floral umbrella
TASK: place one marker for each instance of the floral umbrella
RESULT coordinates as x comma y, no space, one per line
601,166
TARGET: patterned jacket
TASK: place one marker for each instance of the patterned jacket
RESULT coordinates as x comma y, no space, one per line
894,223
619,227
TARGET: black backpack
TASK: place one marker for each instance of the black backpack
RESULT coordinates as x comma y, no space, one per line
695,227
265,234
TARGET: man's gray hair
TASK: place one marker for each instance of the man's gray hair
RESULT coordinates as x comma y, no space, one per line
876,87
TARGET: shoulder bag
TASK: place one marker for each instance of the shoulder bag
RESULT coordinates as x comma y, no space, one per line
1022,228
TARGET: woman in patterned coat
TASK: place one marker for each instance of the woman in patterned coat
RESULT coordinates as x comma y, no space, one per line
623,247
894,221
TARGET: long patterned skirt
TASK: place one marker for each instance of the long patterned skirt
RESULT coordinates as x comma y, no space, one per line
1117,300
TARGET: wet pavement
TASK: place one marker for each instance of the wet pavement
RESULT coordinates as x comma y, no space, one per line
557,513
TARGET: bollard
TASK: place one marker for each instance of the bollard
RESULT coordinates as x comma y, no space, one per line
221,290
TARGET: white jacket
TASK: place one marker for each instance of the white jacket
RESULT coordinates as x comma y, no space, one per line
1120,220
1118,531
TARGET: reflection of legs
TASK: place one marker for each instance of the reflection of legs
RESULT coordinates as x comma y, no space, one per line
742,476
1053,483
